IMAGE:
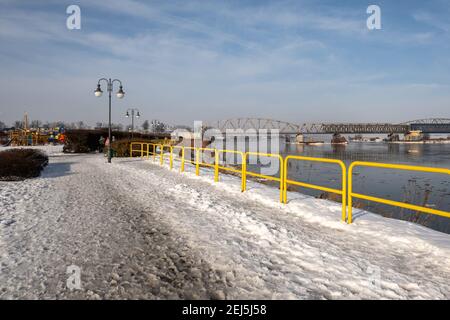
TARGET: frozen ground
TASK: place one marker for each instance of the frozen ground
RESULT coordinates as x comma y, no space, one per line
138,230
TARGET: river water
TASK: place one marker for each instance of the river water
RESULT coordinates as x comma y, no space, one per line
424,189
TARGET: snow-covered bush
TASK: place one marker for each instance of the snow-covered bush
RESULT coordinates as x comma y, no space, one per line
20,164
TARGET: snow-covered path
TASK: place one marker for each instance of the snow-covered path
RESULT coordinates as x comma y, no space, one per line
138,230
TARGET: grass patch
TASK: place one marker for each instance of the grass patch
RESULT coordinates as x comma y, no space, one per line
21,164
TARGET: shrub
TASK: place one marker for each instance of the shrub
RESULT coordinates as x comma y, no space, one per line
121,148
20,164
83,141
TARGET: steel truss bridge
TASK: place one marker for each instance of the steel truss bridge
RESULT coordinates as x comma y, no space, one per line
438,125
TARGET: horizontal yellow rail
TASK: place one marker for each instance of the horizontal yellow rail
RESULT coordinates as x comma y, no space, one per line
341,191
267,155
352,195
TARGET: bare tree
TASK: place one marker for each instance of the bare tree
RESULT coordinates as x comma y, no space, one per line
145,125
158,126
18,124
36,124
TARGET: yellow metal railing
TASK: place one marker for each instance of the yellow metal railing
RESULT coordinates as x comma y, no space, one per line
352,195
346,190
341,191
254,174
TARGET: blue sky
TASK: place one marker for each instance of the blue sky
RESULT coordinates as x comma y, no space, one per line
180,61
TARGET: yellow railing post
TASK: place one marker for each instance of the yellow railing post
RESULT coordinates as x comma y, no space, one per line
131,150
281,179
344,191
285,164
148,150
161,157
349,194
182,160
171,158
244,175
197,162
142,150
216,166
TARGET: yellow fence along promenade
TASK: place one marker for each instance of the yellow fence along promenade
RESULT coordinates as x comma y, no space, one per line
352,195
345,190
341,191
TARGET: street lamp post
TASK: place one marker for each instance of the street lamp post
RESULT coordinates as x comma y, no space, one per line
120,93
132,110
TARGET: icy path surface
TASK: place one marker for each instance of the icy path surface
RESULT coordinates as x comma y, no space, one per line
138,230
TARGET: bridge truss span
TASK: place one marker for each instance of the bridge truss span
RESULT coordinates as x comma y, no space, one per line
438,125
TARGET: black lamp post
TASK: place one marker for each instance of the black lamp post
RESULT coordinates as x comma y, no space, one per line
98,93
132,110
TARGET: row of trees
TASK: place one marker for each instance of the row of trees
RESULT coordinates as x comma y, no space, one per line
153,126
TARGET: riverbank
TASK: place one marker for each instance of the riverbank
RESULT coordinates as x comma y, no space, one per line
139,230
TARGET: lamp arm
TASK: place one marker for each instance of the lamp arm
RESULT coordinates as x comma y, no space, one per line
120,82
99,80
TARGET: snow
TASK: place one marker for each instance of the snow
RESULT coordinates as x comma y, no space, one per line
139,230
